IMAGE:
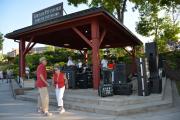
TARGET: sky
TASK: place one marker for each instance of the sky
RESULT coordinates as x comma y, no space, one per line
16,14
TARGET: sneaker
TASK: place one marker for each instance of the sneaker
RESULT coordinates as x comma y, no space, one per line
48,114
39,110
59,108
62,111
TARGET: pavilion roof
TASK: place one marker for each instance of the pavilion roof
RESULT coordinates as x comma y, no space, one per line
59,32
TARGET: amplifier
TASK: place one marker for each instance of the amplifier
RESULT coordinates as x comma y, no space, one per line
105,90
122,89
81,80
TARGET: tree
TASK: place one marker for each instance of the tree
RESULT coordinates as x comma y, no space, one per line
1,46
116,7
162,28
1,41
50,48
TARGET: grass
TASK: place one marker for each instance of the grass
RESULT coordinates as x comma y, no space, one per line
178,86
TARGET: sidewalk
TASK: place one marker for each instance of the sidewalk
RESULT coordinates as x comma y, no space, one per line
11,109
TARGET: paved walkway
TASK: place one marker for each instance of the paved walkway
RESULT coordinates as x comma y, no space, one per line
11,109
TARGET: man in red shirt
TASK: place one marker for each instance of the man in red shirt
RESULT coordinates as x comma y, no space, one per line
42,84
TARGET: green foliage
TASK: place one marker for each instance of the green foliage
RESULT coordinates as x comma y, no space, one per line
118,52
161,3
153,24
60,55
32,61
50,48
172,59
116,7
77,2
1,41
139,51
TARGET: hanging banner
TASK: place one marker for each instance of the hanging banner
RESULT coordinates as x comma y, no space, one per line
51,12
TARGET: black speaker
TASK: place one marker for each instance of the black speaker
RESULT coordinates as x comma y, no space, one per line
122,89
152,56
71,76
107,76
81,80
90,80
144,85
156,86
120,73
105,90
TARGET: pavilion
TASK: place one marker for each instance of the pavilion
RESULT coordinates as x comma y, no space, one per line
93,29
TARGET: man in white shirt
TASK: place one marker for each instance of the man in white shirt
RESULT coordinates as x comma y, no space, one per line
27,70
79,65
70,62
1,75
104,62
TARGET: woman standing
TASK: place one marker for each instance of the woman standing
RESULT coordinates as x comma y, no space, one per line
59,81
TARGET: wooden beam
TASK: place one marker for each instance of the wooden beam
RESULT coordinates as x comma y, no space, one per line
27,47
82,36
102,37
31,46
128,52
81,52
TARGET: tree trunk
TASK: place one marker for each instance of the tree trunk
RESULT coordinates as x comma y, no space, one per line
120,11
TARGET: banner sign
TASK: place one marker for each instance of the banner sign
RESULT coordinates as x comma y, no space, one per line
47,13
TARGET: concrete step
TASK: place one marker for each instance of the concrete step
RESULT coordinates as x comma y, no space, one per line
89,101
111,101
104,109
108,101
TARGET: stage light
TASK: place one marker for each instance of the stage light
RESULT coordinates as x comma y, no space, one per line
66,44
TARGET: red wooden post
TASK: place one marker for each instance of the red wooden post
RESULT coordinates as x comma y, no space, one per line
22,57
95,36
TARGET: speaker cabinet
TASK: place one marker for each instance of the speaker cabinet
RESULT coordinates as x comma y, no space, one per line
122,89
71,76
120,73
152,56
81,80
107,76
